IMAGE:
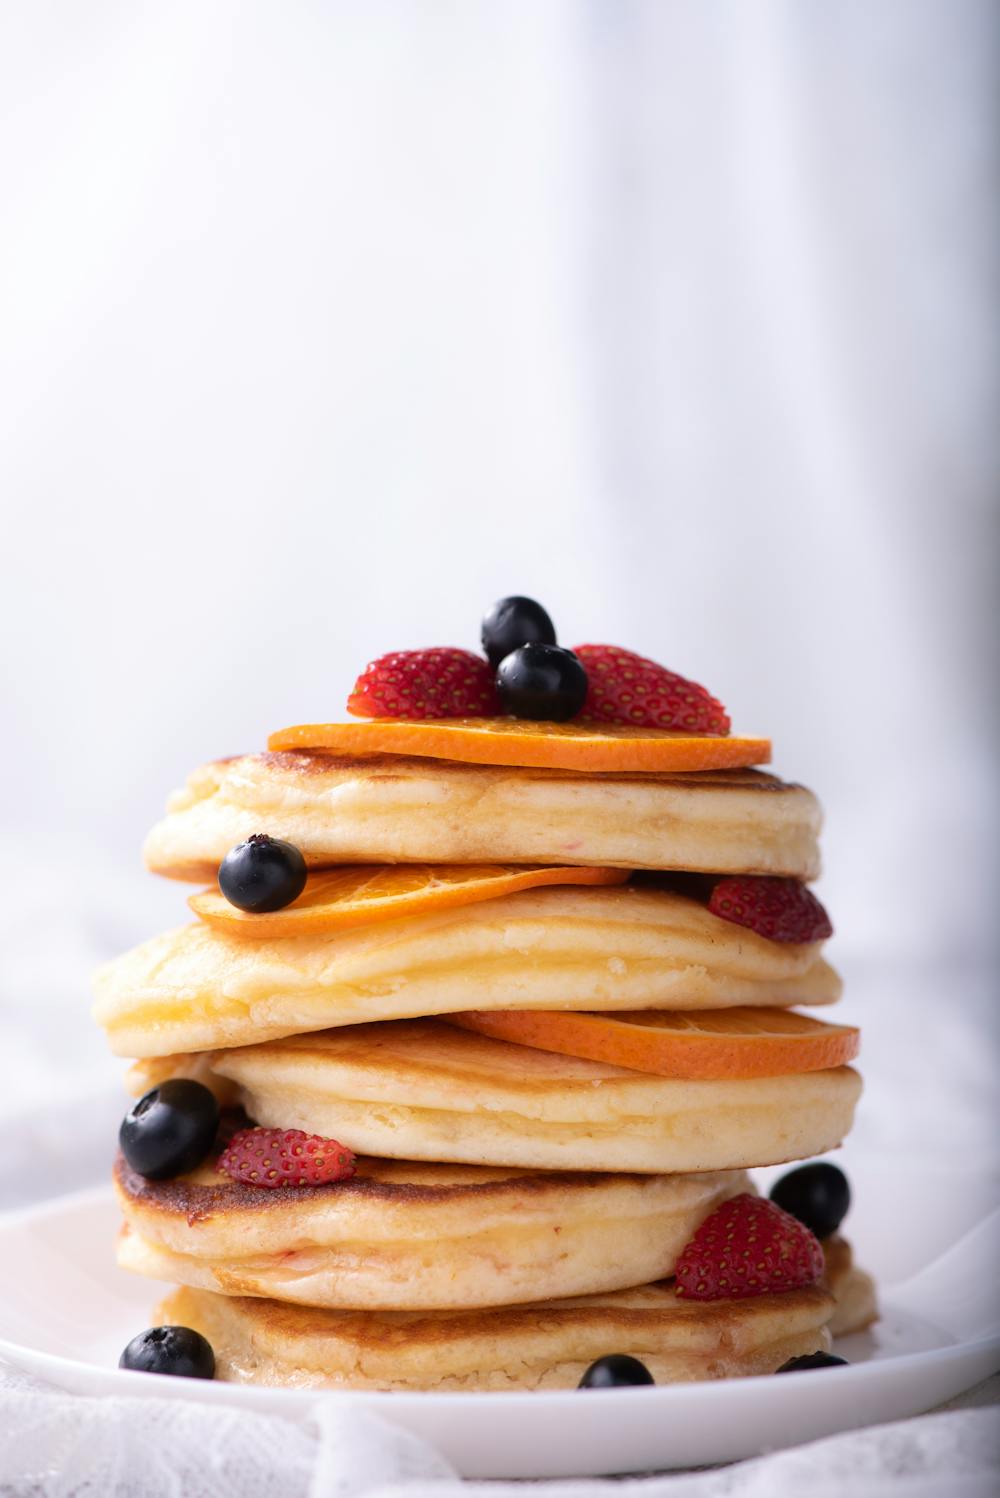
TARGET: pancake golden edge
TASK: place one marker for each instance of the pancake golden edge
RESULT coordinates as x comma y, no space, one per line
547,1346
424,1090
197,989
395,809
851,1287
406,1236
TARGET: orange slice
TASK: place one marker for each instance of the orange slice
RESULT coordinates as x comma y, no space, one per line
515,741
706,1046
364,893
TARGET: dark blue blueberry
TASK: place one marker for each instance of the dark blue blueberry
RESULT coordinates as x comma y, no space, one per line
543,682
170,1349
812,1360
512,622
617,1371
817,1195
170,1129
262,874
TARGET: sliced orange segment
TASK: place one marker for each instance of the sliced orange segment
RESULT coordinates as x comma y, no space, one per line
365,893
704,1046
515,741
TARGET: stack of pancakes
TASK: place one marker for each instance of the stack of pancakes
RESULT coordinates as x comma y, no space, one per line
516,1213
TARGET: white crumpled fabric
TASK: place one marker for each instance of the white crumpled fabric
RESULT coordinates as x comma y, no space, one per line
63,1446
56,1445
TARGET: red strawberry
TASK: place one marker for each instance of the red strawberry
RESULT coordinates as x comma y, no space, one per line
780,909
439,683
748,1246
627,688
285,1157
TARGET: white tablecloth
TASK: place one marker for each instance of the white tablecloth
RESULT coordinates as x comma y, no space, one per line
61,1446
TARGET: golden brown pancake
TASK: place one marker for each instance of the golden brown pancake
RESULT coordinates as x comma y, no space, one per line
546,1346
852,1288
425,1090
197,988
403,1236
393,809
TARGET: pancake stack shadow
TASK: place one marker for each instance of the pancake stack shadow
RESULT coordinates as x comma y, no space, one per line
517,1211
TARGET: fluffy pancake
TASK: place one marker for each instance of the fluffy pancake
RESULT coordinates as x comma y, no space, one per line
402,1236
522,1347
197,989
424,1090
852,1288
392,809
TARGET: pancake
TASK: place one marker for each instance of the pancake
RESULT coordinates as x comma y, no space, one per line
197,988
852,1288
425,1090
401,1236
546,1346
395,809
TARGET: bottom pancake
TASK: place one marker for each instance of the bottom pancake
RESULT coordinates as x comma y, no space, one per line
852,1288
547,1346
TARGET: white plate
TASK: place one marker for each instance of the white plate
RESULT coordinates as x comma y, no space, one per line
74,1311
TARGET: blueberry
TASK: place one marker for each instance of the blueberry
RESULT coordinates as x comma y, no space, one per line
542,681
512,622
262,874
170,1129
170,1349
817,1195
616,1372
812,1360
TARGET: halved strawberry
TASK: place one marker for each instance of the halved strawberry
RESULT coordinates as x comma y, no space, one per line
780,909
748,1246
627,688
285,1157
443,682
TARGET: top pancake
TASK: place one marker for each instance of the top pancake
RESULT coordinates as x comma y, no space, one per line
394,809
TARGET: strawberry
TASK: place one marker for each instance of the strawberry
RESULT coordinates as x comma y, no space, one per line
285,1157
748,1246
780,909
439,683
627,688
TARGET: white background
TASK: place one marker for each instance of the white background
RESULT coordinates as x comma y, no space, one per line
324,324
